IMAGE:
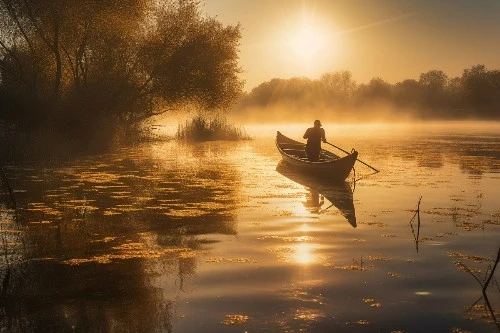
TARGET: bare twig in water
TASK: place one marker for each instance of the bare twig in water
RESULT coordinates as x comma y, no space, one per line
471,273
484,284
492,271
416,235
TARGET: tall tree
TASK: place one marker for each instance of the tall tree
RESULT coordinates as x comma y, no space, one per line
85,62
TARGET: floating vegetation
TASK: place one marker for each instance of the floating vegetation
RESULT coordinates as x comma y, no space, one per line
380,258
374,224
189,253
359,322
469,226
372,302
230,260
491,222
287,238
284,213
235,319
134,251
355,266
308,314
282,249
463,256
396,275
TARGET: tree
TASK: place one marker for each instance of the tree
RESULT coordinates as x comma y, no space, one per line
408,93
376,90
78,63
339,85
433,84
481,89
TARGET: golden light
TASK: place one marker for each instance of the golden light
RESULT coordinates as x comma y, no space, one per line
307,42
310,44
304,253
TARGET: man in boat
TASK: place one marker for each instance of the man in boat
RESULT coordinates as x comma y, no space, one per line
314,136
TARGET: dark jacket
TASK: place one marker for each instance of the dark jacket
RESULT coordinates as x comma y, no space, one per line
314,136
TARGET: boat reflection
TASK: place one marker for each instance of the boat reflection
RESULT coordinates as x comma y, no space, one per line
339,195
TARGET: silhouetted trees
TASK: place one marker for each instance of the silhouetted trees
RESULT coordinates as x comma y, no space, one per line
474,94
83,67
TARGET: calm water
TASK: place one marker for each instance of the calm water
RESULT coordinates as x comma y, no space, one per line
220,237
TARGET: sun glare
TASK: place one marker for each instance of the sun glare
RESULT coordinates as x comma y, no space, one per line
306,42
309,41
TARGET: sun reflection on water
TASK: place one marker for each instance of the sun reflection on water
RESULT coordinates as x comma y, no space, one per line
304,254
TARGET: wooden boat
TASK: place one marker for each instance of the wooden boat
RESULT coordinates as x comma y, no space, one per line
338,194
330,167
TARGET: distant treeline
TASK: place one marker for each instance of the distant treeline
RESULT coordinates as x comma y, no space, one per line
475,94
91,71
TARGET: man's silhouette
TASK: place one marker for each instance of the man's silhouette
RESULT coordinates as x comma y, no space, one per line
314,136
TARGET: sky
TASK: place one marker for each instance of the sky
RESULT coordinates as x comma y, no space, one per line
391,39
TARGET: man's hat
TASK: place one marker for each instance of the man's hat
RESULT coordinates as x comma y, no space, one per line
317,122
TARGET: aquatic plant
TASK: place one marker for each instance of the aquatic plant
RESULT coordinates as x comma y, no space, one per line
204,128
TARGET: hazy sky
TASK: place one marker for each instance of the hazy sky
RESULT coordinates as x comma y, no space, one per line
391,39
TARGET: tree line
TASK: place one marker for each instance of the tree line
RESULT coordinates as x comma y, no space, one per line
92,70
474,94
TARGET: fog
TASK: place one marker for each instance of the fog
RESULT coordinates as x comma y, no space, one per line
286,112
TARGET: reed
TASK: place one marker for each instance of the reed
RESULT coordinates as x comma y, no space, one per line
203,128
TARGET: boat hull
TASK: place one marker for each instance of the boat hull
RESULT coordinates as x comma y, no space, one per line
339,194
330,167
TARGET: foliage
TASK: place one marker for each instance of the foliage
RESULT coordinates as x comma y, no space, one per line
204,128
476,93
86,67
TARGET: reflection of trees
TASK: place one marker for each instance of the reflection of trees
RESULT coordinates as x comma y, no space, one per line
108,235
477,155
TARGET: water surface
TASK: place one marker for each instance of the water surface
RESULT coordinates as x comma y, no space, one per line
219,236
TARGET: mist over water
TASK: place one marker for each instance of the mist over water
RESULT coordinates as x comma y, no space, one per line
216,237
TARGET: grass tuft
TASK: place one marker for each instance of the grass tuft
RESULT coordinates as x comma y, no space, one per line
202,128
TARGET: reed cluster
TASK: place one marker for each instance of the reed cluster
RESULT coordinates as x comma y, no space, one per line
205,128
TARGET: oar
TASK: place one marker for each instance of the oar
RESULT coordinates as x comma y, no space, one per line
331,144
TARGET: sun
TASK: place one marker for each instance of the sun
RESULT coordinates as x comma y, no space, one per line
307,42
